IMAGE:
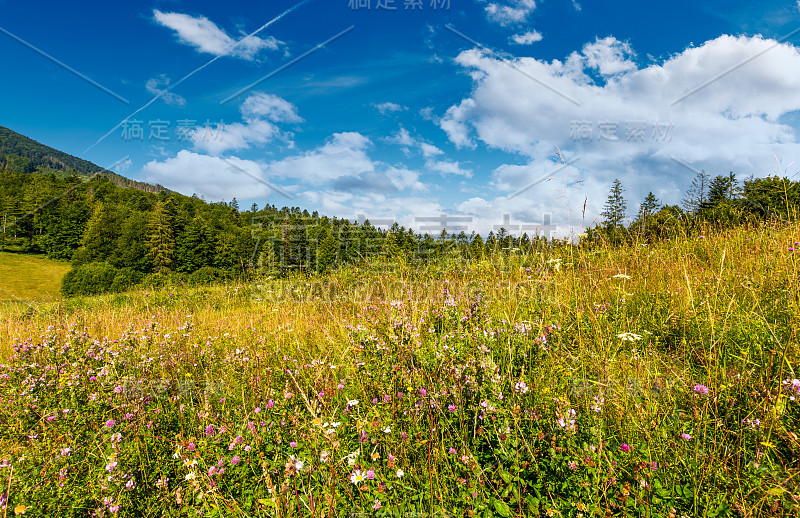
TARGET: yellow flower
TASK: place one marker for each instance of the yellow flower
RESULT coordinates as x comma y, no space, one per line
20,509
317,421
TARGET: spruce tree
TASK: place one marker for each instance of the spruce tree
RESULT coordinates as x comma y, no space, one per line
161,237
615,207
697,194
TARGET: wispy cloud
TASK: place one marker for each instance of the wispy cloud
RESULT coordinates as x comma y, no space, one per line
157,86
205,36
390,107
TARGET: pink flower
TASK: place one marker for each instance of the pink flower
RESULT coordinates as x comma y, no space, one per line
235,460
451,451
370,474
625,447
686,436
110,423
293,444
701,389
377,504
451,408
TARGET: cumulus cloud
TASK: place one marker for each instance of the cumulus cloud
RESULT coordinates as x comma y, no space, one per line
213,177
510,11
158,85
625,121
205,36
527,38
261,114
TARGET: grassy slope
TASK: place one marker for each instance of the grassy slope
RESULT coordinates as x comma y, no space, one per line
30,278
722,311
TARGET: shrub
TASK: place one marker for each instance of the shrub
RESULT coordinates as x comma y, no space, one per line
88,279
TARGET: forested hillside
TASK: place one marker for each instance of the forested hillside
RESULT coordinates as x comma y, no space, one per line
116,236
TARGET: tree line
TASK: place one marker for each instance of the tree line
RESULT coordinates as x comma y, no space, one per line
117,237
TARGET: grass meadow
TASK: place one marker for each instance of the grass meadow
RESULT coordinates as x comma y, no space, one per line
655,380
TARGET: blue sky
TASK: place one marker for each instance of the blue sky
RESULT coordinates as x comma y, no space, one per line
501,111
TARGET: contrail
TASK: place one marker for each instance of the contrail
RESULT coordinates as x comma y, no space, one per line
193,72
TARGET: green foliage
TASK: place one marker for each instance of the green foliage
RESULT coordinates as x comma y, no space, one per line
88,279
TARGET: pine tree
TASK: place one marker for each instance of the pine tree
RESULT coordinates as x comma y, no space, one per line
697,194
615,207
161,237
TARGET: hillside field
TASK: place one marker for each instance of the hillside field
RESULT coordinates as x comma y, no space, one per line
25,277
654,380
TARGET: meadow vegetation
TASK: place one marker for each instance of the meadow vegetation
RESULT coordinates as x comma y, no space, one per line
648,379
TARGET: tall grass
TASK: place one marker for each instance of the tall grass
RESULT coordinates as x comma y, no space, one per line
649,380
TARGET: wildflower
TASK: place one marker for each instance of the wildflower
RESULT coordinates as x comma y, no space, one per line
400,473
210,430
235,460
451,408
423,392
572,465
701,389
190,476
352,403
257,409
111,466
377,504
629,337
357,477
625,447
323,457
110,423
622,276
293,444
387,430
130,484
451,451
162,482
370,474
20,509
686,436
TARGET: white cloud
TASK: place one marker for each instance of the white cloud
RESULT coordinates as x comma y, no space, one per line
158,85
260,113
405,139
527,38
204,35
389,107
609,56
445,167
510,11
214,178
736,122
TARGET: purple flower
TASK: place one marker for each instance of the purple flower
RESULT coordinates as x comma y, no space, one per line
451,408
451,451
423,392
110,423
293,444
235,460
370,474
625,447
190,447
210,430
701,389
270,404
686,436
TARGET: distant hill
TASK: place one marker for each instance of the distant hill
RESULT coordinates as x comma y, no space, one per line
19,153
